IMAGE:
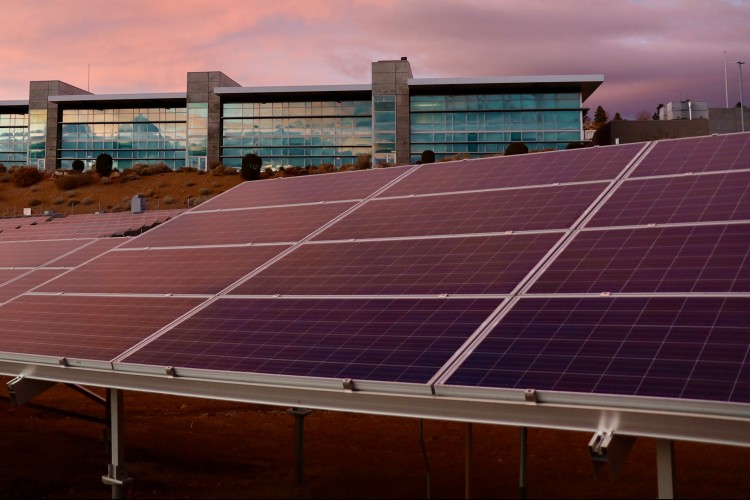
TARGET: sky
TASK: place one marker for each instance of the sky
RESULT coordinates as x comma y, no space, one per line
649,51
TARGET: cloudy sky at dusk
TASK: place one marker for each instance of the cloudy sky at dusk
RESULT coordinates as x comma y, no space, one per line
649,51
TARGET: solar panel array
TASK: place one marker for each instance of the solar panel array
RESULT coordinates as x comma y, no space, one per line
612,270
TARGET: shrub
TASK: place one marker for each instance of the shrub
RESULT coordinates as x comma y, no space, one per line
218,170
516,148
168,200
205,191
59,201
87,201
251,164
3,168
27,176
34,202
428,156
72,181
104,165
77,166
6,178
455,157
157,168
105,181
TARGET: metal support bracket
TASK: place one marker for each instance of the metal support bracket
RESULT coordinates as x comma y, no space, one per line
22,390
299,415
609,448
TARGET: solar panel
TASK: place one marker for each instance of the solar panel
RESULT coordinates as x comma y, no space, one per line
262,225
463,265
676,347
653,260
84,327
35,253
162,271
687,198
353,185
89,250
589,164
393,340
25,282
696,154
553,207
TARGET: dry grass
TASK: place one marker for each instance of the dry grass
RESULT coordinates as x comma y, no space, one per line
182,188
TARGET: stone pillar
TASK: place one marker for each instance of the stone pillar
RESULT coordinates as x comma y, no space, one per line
204,114
44,120
390,78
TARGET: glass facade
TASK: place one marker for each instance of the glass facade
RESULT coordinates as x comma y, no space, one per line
384,113
37,134
129,135
300,134
197,131
14,139
484,124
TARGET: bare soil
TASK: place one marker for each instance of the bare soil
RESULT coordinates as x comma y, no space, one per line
178,447
162,191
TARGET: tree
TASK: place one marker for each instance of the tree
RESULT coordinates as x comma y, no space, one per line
617,117
600,117
658,112
642,116
250,170
104,165
516,148
77,166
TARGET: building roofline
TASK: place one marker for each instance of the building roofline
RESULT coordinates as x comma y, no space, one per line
293,89
18,102
587,84
117,97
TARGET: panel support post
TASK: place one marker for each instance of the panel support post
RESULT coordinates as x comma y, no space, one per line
299,440
665,467
469,436
522,465
117,476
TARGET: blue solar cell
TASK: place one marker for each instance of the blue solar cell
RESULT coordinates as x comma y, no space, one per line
354,185
553,207
696,154
492,264
588,164
161,271
262,225
652,260
400,340
678,347
688,198
85,327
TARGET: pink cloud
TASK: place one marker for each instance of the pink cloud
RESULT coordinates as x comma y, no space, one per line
644,48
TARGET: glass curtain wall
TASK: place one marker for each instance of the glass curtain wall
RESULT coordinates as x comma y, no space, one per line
298,134
14,139
484,124
384,113
131,136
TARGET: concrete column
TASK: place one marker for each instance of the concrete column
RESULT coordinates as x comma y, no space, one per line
200,89
392,78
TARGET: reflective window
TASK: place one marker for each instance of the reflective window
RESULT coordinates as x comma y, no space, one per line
14,139
300,134
484,124
130,136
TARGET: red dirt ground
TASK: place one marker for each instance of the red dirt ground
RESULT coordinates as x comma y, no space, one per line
191,448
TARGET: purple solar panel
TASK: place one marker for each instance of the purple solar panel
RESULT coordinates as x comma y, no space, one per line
553,207
353,185
93,249
476,265
24,283
10,274
588,164
686,348
177,271
35,253
94,328
400,340
696,154
689,198
653,260
263,225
